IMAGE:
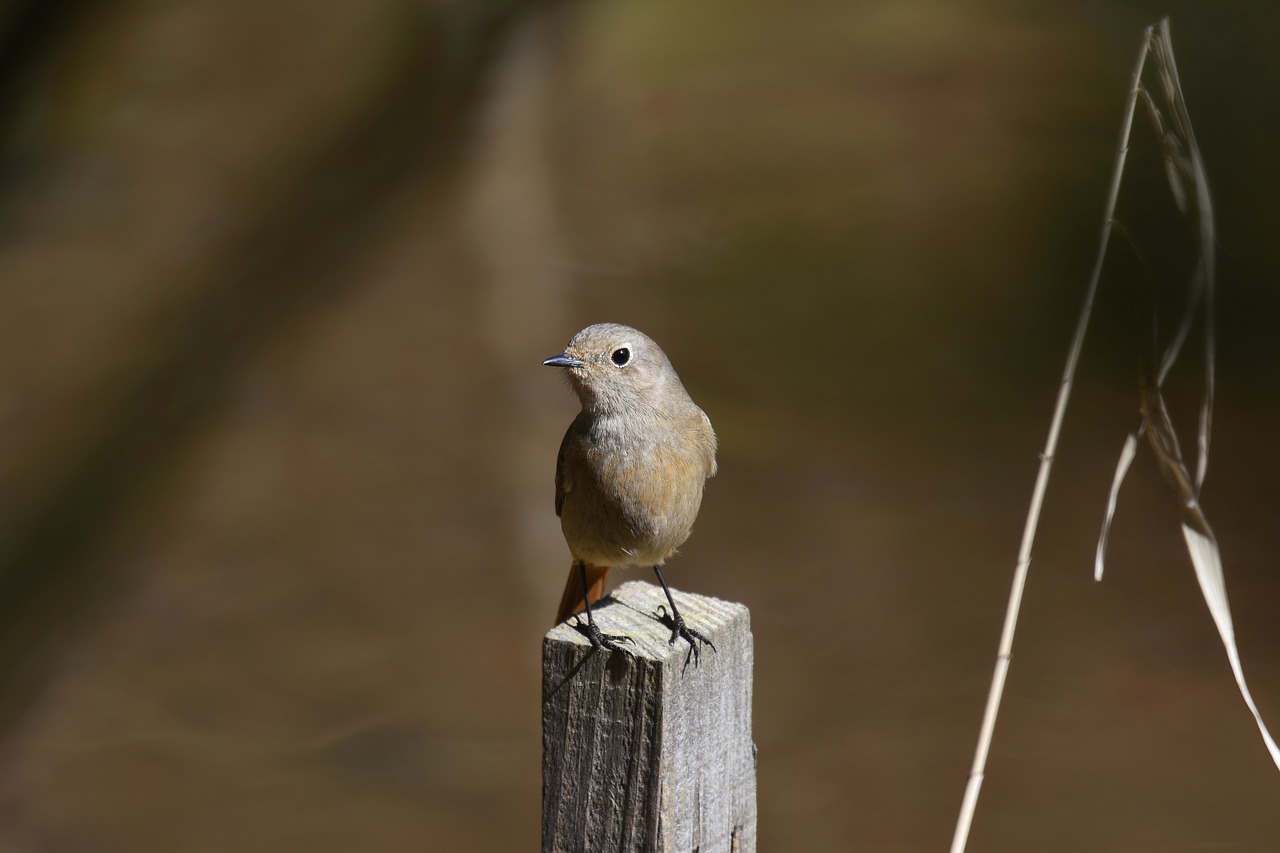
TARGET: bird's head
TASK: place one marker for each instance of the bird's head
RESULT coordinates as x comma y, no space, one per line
614,367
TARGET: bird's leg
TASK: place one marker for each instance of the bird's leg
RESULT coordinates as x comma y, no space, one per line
678,628
597,637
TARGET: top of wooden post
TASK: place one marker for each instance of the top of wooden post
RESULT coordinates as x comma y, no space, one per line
632,611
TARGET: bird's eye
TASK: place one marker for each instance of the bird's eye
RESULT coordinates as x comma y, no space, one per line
621,356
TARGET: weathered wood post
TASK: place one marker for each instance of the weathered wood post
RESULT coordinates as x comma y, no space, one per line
641,752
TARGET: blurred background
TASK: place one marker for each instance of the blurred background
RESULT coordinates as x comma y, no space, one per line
277,545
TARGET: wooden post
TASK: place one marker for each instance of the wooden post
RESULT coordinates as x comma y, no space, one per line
639,751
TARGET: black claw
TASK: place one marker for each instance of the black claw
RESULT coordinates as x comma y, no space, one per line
676,623
679,630
599,639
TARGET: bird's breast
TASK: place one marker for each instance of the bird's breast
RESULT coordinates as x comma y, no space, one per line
636,492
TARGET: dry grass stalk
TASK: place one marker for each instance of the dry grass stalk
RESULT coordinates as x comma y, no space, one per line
1189,186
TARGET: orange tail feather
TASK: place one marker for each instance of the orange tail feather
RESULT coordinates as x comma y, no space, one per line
571,601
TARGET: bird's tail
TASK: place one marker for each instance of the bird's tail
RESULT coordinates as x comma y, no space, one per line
571,601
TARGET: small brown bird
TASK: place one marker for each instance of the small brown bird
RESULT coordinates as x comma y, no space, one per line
631,468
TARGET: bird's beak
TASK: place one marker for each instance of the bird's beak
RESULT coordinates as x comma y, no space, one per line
565,360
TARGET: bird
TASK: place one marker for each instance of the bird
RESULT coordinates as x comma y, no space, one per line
631,469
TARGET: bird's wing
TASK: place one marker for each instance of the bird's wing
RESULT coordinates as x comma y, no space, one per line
563,482
711,442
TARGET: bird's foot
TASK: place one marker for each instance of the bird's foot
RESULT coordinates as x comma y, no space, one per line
598,638
680,630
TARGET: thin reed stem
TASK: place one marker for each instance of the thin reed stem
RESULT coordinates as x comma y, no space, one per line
1005,653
